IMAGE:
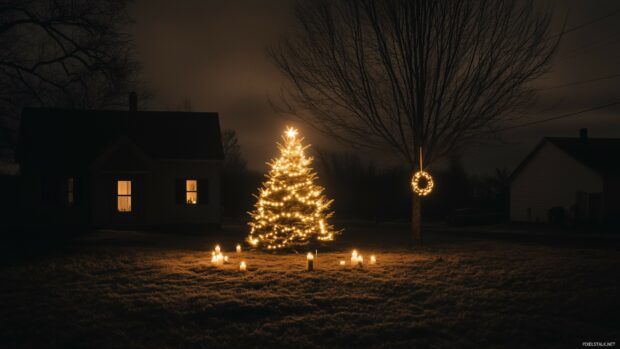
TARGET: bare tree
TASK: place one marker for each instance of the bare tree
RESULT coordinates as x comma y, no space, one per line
233,160
235,177
402,74
64,53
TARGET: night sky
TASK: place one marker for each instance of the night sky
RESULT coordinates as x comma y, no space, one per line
212,53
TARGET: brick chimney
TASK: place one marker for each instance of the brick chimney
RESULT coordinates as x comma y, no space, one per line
133,101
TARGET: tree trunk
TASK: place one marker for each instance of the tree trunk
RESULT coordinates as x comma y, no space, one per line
416,219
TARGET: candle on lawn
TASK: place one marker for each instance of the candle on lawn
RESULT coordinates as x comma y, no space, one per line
373,259
225,259
238,248
343,263
360,261
309,262
354,258
217,248
242,266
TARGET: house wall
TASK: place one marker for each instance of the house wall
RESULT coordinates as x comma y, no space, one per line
612,200
154,197
551,179
35,211
9,199
162,208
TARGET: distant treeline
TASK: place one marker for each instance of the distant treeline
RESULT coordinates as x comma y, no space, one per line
363,190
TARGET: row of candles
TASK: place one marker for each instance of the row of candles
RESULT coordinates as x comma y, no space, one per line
357,260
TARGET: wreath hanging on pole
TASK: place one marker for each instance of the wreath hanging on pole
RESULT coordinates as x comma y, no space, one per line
422,182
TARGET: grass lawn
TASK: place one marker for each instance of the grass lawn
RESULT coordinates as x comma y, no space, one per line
140,290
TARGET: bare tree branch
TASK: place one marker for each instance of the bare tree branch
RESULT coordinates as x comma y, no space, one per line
406,74
65,53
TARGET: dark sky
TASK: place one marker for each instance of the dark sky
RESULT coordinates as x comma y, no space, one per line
212,53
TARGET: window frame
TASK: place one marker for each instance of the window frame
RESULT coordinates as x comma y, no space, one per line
119,196
188,191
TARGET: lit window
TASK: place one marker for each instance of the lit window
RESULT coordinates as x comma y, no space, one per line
70,191
123,196
191,191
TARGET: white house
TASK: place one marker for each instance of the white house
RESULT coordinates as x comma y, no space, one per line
568,180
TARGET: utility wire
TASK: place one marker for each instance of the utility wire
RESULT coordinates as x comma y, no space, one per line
583,111
587,48
583,25
580,82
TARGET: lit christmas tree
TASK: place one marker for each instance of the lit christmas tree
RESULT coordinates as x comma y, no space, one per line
290,209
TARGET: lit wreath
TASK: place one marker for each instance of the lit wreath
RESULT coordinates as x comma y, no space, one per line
415,183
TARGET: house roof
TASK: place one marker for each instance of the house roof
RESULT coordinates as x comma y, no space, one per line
77,137
599,154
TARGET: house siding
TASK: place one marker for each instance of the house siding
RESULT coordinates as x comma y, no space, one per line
164,209
38,210
612,200
97,148
154,203
552,178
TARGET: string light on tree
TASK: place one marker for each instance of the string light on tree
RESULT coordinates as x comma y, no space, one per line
290,209
422,182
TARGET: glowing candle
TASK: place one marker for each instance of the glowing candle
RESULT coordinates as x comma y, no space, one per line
238,248
342,263
309,262
354,258
217,248
217,259
360,261
225,259
373,259
242,266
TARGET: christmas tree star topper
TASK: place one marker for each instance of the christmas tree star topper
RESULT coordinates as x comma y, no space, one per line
291,132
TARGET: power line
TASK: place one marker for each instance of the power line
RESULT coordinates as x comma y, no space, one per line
580,82
557,117
591,46
583,25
